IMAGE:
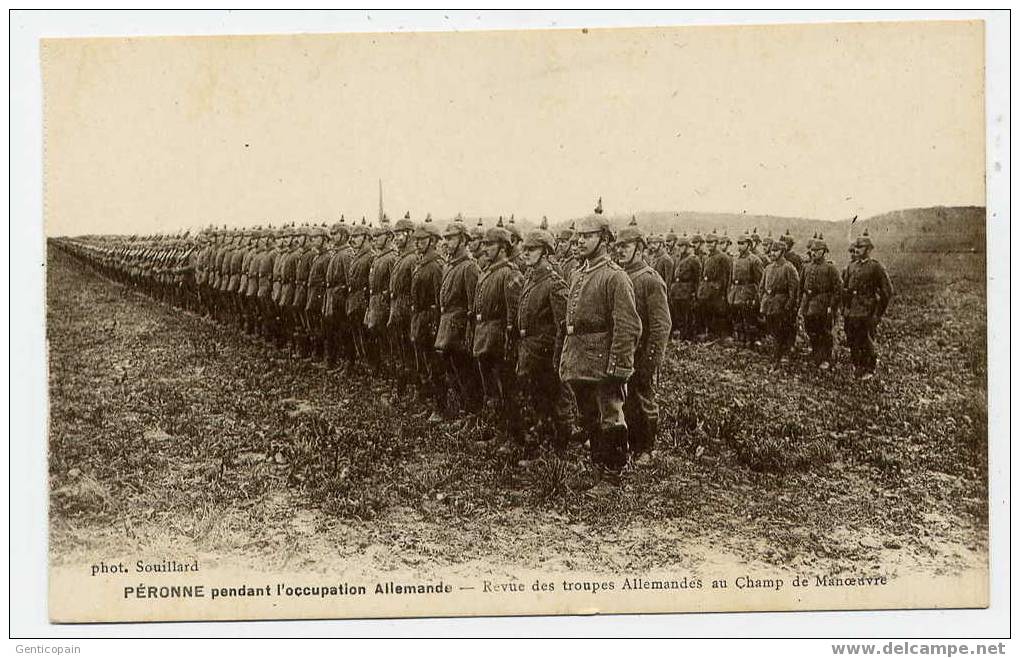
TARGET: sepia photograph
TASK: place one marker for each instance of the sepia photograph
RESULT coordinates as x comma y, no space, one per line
516,322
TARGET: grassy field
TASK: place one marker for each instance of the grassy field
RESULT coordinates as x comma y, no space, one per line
167,433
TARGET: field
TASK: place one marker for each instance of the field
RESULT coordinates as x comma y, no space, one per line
171,436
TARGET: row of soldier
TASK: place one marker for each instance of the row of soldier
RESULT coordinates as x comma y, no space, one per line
537,334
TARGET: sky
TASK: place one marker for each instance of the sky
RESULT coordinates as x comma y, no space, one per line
824,121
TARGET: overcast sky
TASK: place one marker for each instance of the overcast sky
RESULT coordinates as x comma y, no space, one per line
823,121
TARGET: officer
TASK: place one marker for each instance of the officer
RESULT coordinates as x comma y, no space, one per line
426,282
712,289
683,290
821,285
602,331
454,338
779,291
541,314
378,314
398,327
338,338
357,288
867,292
743,292
495,311
641,409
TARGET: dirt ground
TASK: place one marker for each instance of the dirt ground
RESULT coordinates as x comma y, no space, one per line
172,436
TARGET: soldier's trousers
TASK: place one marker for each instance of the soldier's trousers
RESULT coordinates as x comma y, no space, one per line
819,331
860,337
745,321
713,314
783,333
431,374
463,372
641,411
600,415
403,353
682,311
499,384
547,407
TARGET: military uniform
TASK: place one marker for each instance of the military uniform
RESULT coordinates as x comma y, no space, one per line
820,286
454,338
316,300
602,332
399,324
641,409
338,338
357,293
712,290
866,294
683,294
426,281
378,312
779,292
743,296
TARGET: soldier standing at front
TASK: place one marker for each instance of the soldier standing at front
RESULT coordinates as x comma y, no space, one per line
715,280
398,327
338,340
779,289
866,296
378,313
743,294
454,335
683,290
661,259
317,293
641,408
426,281
357,287
541,315
820,285
494,309
598,351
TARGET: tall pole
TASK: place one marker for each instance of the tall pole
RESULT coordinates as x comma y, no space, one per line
380,200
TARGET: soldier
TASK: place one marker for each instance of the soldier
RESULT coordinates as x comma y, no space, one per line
357,287
398,326
281,322
565,261
475,244
494,309
660,259
515,256
541,314
317,292
426,282
602,331
338,339
249,287
712,289
234,289
307,253
641,409
454,338
683,290
265,263
820,284
790,254
866,295
669,244
378,313
779,290
743,293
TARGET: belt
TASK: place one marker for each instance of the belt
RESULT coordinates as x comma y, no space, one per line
583,331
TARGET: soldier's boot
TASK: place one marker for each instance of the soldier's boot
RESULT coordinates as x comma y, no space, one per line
614,448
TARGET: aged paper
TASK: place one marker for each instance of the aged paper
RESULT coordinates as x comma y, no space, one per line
199,470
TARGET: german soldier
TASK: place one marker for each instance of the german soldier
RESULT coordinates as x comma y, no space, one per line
602,331
866,295
378,313
641,409
357,286
398,327
743,293
683,290
426,282
338,340
454,338
779,290
715,281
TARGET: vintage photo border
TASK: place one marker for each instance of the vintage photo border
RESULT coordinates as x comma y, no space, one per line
27,348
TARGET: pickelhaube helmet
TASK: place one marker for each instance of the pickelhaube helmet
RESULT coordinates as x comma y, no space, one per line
683,241
360,229
456,227
404,223
567,233
755,238
597,223
477,232
512,229
632,232
427,229
541,237
712,237
745,237
497,233
864,240
384,228
671,236
818,243
787,238
696,239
